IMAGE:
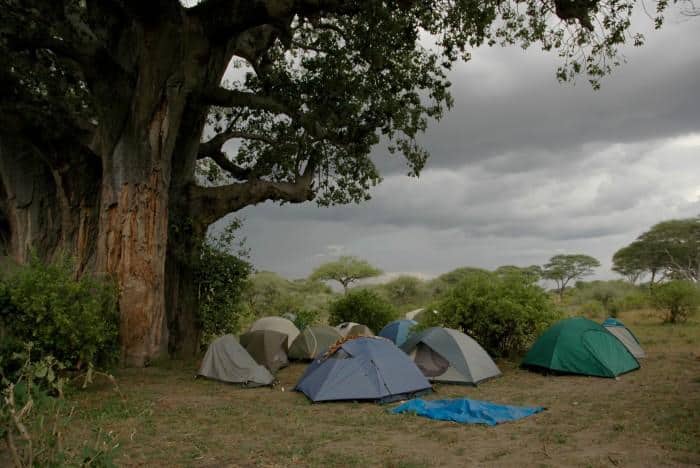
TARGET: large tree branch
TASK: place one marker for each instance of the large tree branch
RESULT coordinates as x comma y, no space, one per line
211,203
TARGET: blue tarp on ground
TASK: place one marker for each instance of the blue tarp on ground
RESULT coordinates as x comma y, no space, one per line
464,410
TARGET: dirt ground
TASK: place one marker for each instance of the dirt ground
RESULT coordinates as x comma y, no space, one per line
650,417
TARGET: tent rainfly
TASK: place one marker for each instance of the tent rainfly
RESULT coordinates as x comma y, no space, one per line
313,342
398,330
228,361
450,356
625,336
267,347
580,346
364,368
278,324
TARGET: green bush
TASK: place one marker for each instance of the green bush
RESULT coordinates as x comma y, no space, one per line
676,300
504,313
221,280
305,318
73,320
363,306
34,416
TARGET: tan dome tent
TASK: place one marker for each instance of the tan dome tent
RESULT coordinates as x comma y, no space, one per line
359,330
313,342
278,324
267,347
450,356
345,327
226,360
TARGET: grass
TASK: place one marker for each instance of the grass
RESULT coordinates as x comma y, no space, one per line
650,417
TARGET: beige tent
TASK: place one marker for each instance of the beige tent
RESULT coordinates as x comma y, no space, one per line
278,324
228,361
345,327
359,330
267,347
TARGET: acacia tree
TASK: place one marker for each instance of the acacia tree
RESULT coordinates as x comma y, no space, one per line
105,106
346,270
562,269
669,249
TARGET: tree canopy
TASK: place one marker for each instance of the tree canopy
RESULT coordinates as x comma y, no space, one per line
562,269
669,249
346,270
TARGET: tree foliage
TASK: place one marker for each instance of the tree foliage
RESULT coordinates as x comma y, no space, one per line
75,321
221,279
677,300
362,306
346,270
562,269
670,249
504,313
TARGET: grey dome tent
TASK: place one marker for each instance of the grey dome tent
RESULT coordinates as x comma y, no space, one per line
267,347
278,324
226,360
625,336
364,368
450,356
313,342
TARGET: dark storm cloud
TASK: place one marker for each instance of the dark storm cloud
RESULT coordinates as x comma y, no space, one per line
522,168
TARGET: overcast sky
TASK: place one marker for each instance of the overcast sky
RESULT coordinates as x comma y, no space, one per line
522,168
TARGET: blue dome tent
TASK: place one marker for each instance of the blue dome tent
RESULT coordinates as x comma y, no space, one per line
364,368
398,330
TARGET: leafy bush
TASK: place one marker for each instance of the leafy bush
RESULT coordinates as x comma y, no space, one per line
305,318
73,320
34,416
504,313
221,281
363,306
597,298
677,300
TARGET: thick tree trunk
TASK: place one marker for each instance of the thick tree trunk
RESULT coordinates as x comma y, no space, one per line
48,205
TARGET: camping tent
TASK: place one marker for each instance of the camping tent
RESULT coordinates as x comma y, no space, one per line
267,347
313,342
228,361
354,329
345,327
397,331
580,346
447,355
277,324
365,368
625,335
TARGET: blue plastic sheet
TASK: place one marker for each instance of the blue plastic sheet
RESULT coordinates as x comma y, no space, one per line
466,411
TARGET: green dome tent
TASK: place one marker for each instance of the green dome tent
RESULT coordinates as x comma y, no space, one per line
580,346
313,342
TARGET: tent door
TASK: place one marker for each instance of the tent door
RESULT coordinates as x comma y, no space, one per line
429,362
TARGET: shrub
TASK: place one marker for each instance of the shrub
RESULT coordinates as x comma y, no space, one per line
74,320
677,300
363,306
34,416
305,318
504,313
221,280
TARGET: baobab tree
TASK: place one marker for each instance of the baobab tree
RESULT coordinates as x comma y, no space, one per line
110,107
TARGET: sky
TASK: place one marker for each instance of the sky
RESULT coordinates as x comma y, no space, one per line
521,169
